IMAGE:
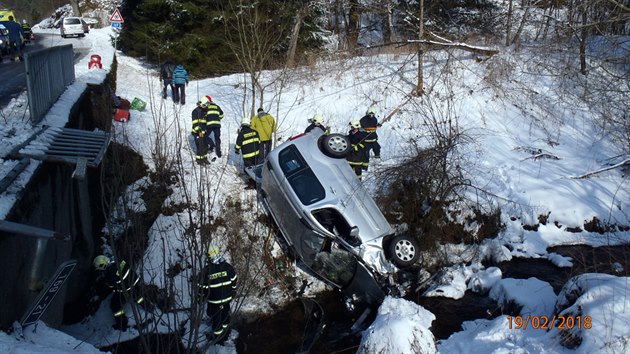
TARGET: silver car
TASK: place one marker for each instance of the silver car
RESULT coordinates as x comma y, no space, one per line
328,219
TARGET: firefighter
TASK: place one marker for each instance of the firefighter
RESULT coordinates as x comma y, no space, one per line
217,284
28,34
120,280
316,122
357,157
369,123
199,130
248,145
214,115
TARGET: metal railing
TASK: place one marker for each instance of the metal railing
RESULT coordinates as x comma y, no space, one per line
48,72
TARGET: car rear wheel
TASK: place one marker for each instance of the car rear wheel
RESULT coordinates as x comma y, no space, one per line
335,145
404,251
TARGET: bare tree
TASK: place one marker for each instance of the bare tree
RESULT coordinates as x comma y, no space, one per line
253,39
301,12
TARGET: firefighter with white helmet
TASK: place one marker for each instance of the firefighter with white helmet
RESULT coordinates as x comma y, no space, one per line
214,116
199,130
357,157
369,123
120,280
248,145
217,285
316,122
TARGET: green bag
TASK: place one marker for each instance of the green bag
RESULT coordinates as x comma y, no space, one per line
138,104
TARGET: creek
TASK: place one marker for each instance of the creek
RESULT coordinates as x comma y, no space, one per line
283,331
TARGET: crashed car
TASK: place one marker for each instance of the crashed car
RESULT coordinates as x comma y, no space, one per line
327,219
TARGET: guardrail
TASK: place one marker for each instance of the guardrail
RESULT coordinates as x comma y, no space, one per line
48,72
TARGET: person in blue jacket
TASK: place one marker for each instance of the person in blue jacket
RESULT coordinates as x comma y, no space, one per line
180,81
16,37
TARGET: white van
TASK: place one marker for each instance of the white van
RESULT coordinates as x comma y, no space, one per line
72,26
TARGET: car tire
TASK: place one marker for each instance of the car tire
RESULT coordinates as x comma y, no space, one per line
404,251
335,145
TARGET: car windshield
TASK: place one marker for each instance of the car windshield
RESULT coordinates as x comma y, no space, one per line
300,176
72,21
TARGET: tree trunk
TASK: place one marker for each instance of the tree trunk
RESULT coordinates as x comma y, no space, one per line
388,28
354,17
517,35
295,33
508,26
583,39
420,85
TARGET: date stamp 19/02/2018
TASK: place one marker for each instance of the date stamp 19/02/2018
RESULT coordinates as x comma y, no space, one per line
546,322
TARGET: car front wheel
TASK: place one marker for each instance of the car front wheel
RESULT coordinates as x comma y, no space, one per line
335,145
404,251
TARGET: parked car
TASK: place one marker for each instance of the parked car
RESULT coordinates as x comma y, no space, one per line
4,41
72,26
327,219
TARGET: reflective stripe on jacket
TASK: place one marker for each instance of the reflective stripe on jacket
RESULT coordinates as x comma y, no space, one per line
218,282
214,115
248,141
198,120
120,278
357,155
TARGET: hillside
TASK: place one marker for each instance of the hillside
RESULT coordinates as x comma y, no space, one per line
530,141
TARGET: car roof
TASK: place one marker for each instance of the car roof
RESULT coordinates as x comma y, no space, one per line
344,190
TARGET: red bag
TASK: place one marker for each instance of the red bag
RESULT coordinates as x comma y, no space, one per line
124,104
121,115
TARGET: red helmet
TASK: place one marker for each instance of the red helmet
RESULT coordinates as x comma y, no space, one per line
205,100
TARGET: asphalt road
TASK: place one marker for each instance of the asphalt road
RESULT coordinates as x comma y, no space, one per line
12,74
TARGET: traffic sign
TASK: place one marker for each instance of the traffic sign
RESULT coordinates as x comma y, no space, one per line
46,296
116,24
116,17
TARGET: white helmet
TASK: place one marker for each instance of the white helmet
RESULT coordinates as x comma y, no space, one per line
100,262
355,124
205,100
246,121
214,254
371,110
317,119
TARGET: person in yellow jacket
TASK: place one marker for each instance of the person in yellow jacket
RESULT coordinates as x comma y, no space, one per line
265,124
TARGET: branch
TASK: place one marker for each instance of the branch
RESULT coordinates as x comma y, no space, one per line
621,164
458,45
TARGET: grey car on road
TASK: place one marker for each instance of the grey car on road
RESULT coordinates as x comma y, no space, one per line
328,220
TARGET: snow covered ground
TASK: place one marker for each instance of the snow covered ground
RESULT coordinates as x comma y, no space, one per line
504,159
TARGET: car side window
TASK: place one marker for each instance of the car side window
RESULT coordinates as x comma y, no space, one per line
332,221
300,176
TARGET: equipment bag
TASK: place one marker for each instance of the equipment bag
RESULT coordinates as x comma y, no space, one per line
121,115
138,104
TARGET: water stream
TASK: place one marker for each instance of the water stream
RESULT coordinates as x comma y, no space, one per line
282,331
